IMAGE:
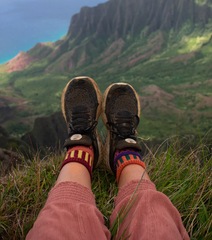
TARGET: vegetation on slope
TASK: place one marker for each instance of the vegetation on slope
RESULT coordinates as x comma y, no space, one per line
171,51
181,68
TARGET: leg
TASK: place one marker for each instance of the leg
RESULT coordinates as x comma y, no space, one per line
132,172
152,215
75,172
70,211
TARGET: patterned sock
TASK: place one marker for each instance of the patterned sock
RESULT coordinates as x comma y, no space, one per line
125,157
80,154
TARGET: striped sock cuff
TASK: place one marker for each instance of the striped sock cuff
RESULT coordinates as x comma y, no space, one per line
126,158
122,154
80,154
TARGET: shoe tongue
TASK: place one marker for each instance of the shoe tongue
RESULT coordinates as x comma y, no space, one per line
79,128
80,108
124,113
124,129
124,121
81,120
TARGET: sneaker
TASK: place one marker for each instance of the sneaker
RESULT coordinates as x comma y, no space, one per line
81,107
120,114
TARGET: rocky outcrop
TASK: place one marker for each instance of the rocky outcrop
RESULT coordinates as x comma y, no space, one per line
12,143
9,159
49,132
12,151
6,112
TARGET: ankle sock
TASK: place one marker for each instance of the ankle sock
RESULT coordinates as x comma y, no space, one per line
125,157
80,154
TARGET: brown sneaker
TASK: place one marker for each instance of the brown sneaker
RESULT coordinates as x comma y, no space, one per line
81,104
120,114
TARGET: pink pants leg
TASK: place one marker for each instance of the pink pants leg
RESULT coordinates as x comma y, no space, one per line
153,216
70,213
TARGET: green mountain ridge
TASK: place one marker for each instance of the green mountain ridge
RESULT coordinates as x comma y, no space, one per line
162,48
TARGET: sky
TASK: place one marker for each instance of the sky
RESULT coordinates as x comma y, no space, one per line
23,23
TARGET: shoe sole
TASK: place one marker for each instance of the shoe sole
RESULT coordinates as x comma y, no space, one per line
106,150
98,112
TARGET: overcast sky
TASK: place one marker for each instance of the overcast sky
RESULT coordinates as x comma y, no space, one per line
23,23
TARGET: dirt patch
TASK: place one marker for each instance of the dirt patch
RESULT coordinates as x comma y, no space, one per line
14,100
187,86
151,103
158,99
209,82
146,55
10,88
183,58
84,57
205,102
63,63
159,38
18,103
192,85
155,45
77,57
113,51
137,54
184,94
158,92
19,63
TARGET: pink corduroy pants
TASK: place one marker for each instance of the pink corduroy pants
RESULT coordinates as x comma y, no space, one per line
71,213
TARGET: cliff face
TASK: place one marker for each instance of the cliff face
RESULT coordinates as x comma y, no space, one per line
118,18
95,29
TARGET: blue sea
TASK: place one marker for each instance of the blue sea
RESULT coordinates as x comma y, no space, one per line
23,23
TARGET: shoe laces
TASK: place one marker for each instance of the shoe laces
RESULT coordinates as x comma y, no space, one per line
124,125
81,123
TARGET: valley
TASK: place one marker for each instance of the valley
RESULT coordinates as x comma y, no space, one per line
167,60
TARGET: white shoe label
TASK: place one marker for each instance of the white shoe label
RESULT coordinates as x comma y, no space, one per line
130,140
76,137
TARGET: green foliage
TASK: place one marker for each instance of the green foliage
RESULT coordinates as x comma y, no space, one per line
16,128
183,60
201,2
4,80
43,91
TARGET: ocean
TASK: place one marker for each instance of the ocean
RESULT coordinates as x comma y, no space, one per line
23,23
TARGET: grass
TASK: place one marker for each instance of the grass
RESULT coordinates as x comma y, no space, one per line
183,174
